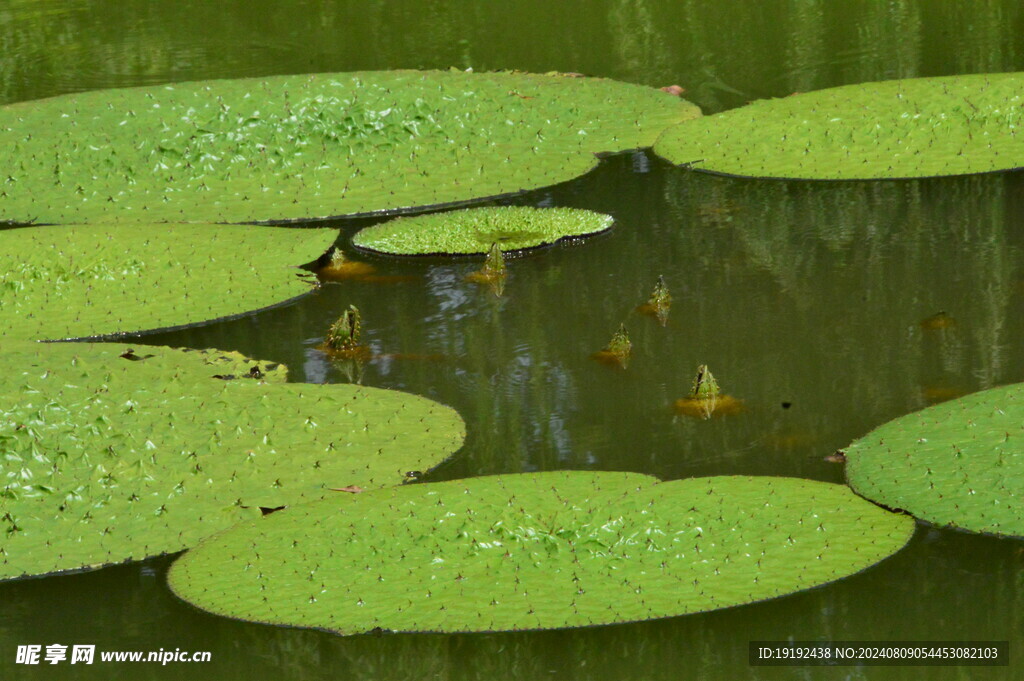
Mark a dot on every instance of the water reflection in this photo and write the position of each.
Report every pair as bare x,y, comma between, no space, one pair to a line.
723,53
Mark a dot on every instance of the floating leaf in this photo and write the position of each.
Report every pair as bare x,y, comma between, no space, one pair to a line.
81,281
536,551
107,459
307,146
958,464
476,230
921,127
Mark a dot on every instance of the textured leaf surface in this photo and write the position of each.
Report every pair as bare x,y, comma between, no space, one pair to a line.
80,281
537,551
903,128
297,147
106,459
472,231
959,463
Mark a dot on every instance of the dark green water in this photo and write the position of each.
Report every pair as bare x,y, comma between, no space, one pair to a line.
808,294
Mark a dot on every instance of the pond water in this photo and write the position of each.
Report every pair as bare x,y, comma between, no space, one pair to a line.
805,299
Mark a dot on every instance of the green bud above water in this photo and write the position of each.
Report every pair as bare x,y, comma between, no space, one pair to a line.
704,384
706,399
338,258
494,266
660,297
620,345
344,333
659,303
493,273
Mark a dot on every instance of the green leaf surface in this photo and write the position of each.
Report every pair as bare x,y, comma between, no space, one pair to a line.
473,231
958,464
81,281
307,146
536,551
922,127
105,459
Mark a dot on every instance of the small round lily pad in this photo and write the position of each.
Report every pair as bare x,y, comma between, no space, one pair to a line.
473,231
112,453
308,146
536,551
921,127
957,464
95,280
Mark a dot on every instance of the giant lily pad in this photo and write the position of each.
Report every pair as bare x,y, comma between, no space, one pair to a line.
107,459
536,551
79,281
475,230
297,147
958,464
902,128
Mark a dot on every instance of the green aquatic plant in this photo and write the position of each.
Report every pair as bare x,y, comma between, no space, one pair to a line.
494,265
704,384
619,349
474,230
536,551
112,454
84,281
493,273
308,146
956,464
340,267
337,258
660,302
920,127
343,336
337,266
620,344
706,399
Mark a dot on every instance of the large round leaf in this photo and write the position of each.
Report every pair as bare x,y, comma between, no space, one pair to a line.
902,128
537,551
110,456
295,147
959,463
80,281
473,231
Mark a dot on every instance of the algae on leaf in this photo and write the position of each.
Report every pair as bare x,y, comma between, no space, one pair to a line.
958,464
107,459
536,551
307,146
474,231
82,281
921,127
